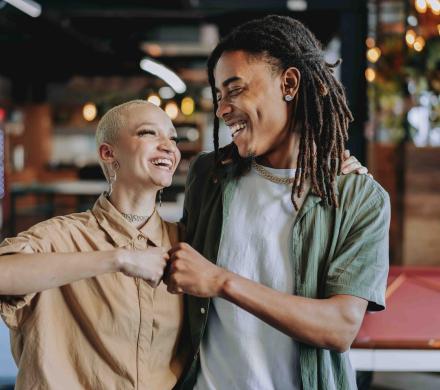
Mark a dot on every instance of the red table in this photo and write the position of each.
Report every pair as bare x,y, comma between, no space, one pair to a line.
406,336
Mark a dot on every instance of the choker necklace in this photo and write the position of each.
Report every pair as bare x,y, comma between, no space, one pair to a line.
137,218
269,176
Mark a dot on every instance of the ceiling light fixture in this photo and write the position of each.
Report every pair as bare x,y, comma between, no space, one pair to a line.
29,7
296,5
161,71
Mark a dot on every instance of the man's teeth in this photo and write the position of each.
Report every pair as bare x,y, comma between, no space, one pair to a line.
237,127
162,162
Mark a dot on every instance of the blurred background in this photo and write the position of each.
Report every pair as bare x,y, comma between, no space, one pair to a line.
64,64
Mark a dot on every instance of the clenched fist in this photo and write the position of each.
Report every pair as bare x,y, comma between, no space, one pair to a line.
147,264
191,273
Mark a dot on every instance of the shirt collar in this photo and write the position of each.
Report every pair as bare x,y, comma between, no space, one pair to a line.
120,230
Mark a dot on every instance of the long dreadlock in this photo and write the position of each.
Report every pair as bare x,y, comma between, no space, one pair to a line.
321,111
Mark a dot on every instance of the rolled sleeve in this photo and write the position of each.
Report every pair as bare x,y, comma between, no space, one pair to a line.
11,305
360,266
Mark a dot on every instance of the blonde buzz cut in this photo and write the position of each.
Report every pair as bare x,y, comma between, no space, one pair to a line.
111,123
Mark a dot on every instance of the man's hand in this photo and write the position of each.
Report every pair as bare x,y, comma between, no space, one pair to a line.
191,273
350,164
147,264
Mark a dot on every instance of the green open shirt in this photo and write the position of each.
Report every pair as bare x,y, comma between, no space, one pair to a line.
340,250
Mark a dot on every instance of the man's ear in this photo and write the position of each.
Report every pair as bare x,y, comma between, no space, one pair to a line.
106,153
290,78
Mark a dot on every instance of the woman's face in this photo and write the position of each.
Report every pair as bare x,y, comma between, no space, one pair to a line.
250,100
146,148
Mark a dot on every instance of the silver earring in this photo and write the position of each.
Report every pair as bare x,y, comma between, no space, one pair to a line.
111,180
288,98
112,177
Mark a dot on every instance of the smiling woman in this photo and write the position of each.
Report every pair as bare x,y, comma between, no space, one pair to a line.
141,152
90,282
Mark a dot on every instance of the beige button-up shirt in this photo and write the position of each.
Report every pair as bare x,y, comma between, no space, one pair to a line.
107,332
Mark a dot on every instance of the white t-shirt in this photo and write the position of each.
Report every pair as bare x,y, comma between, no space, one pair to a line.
239,351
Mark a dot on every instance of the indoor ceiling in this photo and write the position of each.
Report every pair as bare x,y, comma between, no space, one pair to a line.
103,38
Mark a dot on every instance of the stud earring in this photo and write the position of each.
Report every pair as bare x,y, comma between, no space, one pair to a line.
288,98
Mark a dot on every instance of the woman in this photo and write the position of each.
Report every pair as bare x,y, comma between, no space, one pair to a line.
81,293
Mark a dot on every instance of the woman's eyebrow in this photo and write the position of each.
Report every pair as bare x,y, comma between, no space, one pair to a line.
145,124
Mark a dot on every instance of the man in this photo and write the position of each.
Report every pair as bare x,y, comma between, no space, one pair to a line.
297,254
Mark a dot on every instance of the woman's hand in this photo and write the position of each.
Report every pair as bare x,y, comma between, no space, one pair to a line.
147,264
350,164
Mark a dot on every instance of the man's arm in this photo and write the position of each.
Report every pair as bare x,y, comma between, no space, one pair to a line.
328,323
25,273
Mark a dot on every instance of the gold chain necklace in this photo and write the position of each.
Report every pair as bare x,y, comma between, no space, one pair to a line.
267,175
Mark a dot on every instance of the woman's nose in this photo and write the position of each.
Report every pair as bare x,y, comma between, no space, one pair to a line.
167,145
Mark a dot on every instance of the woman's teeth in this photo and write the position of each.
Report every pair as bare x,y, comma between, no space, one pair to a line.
162,162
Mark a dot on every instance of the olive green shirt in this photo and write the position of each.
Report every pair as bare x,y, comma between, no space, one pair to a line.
340,250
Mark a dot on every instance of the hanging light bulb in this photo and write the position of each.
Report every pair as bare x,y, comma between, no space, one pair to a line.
410,37
154,99
370,42
89,112
166,92
373,54
172,110
412,20
435,6
370,74
187,105
419,44
421,6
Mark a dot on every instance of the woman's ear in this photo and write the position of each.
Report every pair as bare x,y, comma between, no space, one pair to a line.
290,81
106,153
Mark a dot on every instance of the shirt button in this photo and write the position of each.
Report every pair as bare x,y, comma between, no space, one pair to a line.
203,310
140,237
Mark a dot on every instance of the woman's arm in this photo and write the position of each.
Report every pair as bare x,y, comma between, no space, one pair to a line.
29,273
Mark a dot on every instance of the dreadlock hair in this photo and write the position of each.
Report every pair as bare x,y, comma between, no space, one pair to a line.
322,114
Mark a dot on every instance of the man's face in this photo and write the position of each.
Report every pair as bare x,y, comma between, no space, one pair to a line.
250,101
146,147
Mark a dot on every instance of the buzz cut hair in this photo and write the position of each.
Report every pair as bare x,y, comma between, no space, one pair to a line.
111,123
